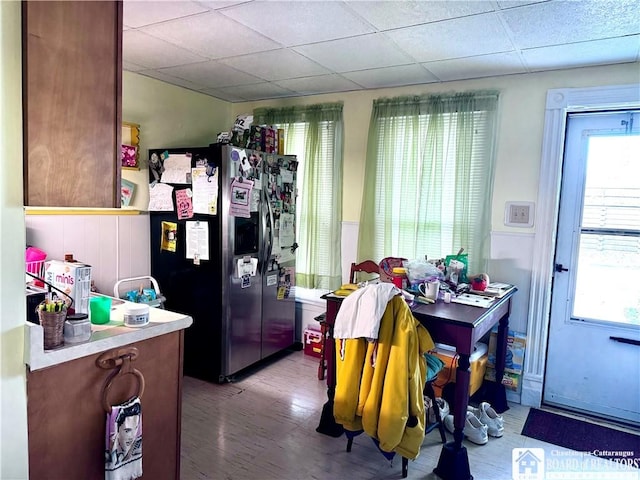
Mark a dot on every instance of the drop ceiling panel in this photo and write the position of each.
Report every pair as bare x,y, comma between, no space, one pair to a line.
140,13
356,53
181,82
391,76
406,13
461,37
323,46
583,53
152,52
319,84
212,35
295,23
476,67
258,91
276,65
554,23
211,74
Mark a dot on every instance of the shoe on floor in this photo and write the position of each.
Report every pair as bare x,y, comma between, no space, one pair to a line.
473,430
488,416
443,407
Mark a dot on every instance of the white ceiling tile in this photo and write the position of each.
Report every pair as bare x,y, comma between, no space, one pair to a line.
504,4
387,15
211,34
227,96
153,52
299,22
259,91
598,52
172,80
356,53
131,67
211,74
391,76
276,65
476,67
219,4
564,21
461,37
137,13
319,84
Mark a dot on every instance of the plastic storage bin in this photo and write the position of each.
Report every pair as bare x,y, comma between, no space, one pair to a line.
313,342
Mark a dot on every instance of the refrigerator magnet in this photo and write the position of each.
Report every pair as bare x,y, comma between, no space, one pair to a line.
246,281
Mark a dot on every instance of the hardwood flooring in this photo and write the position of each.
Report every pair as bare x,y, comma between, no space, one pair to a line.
262,427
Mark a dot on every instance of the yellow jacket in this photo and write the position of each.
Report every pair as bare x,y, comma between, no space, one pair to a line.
379,385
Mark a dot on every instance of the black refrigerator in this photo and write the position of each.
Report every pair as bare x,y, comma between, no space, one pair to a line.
231,266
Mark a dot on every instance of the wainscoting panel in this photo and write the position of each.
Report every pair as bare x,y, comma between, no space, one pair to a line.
116,246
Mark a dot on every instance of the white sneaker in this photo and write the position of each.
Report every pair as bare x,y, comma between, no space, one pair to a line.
475,431
488,416
443,407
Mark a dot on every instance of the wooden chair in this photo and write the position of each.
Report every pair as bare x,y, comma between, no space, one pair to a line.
367,266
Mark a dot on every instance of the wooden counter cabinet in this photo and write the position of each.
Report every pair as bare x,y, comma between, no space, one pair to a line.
66,417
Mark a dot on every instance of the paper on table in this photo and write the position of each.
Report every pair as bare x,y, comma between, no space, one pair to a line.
160,198
205,191
177,169
197,240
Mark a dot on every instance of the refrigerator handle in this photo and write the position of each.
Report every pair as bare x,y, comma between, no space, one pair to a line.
270,240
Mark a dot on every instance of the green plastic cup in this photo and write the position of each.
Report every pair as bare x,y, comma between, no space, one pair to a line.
100,308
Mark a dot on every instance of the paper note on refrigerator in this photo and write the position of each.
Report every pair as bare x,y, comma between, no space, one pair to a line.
197,240
160,198
177,169
205,191
287,232
184,205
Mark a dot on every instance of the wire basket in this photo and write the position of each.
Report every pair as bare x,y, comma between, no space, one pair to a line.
53,326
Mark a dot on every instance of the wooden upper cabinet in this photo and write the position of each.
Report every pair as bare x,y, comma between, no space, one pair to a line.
72,103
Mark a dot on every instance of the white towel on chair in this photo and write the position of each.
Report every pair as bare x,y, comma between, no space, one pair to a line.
123,454
360,313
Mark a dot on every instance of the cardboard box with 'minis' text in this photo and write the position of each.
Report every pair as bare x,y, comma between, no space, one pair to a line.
73,278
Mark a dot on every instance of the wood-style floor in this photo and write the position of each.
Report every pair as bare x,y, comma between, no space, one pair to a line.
262,427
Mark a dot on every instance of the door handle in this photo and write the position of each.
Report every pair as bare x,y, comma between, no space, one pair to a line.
630,341
560,268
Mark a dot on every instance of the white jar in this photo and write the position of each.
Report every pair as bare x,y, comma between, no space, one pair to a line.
136,314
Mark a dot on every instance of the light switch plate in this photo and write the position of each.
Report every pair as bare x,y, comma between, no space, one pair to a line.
519,214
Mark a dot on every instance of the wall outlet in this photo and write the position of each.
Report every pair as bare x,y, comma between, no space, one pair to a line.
519,214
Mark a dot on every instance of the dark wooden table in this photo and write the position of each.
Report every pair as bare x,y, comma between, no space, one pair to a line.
452,324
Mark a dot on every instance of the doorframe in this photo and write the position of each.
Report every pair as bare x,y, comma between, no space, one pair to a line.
560,102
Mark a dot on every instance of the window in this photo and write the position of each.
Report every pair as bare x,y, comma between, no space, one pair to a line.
428,178
314,135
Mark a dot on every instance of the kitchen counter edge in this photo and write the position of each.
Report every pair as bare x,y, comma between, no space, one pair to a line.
103,338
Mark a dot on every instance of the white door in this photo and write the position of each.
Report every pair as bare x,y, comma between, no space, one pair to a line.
593,358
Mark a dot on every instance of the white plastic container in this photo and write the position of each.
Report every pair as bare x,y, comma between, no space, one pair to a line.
136,314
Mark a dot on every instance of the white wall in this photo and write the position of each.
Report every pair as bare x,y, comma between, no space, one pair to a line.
168,116
13,409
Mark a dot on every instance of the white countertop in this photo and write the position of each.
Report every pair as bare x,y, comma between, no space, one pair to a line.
103,337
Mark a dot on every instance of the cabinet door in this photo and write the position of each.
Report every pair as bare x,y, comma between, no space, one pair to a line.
72,89
66,420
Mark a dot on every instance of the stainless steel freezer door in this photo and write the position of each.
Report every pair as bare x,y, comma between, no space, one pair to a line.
244,325
278,316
